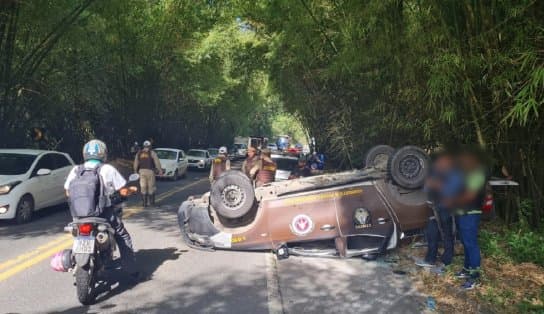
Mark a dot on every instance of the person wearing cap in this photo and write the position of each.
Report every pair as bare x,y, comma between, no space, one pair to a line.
146,163
251,164
220,164
267,168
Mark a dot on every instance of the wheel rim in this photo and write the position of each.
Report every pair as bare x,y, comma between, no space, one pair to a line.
410,166
25,209
233,197
380,160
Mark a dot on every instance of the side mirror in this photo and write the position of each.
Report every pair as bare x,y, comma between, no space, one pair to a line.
134,177
43,172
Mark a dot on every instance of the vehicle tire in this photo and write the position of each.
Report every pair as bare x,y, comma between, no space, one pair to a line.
25,209
378,156
176,176
85,285
408,167
184,175
232,194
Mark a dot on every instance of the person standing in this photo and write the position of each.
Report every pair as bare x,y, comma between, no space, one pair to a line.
468,214
220,164
146,163
444,183
267,169
251,164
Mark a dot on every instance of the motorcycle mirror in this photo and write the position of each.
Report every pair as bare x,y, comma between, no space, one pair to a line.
134,177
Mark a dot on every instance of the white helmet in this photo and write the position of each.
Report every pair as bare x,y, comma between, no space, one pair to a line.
147,144
95,149
222,150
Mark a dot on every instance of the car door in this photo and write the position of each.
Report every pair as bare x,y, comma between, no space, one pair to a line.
182,161
361,212
41,187
62,167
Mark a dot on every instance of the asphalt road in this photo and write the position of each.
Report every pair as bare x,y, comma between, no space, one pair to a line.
181,280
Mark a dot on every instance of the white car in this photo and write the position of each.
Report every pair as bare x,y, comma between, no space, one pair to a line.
199,158
285,165
31,180
173,162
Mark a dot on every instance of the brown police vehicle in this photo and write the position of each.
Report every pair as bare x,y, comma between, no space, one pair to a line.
353,213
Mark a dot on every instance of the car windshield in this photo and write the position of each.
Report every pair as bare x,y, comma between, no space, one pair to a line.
14,164
240,146
196,153
166,154
285,163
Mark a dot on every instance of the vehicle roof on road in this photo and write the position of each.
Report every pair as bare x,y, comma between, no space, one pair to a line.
198,150
26,151
170,149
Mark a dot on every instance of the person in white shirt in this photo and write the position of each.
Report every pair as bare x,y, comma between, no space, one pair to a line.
95,154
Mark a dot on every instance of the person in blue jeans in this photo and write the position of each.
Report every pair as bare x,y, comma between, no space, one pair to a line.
443,184
468,216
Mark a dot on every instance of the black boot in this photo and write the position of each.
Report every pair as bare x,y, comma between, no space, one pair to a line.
152,199
144,200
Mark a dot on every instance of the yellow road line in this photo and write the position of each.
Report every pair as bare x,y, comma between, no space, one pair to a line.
35,251
45,251
35,260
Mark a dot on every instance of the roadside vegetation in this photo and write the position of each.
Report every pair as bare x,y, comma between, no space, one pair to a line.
350,73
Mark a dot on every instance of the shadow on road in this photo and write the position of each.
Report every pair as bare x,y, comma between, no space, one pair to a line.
118,281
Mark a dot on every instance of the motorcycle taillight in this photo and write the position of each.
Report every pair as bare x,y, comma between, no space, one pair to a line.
85,229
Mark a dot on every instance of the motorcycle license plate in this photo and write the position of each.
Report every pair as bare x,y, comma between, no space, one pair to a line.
83,245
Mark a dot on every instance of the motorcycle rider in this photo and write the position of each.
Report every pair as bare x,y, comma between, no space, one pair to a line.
220,164
95,155
250,165
267,169
146,163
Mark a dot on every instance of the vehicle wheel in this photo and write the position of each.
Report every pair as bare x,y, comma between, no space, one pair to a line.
378,156
184,175
232,194
408,167
85,285
25,209
176,176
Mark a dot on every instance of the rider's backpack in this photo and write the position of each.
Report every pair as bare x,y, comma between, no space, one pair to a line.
86,193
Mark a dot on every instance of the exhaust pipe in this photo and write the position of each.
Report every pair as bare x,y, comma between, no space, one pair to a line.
102,237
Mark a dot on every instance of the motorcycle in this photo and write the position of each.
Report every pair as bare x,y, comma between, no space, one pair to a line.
93,248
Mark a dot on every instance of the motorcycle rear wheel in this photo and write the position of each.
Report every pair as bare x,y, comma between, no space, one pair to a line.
85,284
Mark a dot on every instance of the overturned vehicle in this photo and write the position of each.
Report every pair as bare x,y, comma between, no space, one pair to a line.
353,213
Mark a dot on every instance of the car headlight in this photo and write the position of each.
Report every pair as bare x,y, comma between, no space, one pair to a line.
6,188
201,161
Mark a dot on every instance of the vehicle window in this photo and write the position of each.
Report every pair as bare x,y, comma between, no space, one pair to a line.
166,154
46,162
60,161
197,153
285,163
14,164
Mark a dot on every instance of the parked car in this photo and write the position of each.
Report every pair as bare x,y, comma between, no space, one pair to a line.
31,180
273,147
352,213
199,159
214,152
173,161
285,165
238,151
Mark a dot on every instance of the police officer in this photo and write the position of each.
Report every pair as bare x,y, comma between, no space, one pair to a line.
251,164
146,163
220,164
267,169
